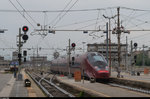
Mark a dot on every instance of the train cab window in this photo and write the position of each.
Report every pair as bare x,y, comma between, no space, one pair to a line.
98,61
98,58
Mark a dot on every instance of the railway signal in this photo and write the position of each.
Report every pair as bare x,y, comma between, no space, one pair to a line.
73,45
73,59
25,37
135,45
19,57
24,59
25,30
24,53
135,57
56,55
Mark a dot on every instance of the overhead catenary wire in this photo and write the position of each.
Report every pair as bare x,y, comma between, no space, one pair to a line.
138,23
61,12
97,19
76,23
124,8
21,13
56,11
134,9
26,12
80,10
65,13
128,20
134,18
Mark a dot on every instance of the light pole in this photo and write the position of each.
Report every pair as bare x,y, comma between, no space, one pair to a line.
83,45
24,37
106,41
109,31
143,59
118,30
69,65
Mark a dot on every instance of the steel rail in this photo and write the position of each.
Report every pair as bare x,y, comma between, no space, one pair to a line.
60,89
51,83
45,90
130,88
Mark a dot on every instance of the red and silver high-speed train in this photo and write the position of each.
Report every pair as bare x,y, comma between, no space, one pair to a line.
91,64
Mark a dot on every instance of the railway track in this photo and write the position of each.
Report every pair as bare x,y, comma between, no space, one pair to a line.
45,80
130,88
136,89
51,89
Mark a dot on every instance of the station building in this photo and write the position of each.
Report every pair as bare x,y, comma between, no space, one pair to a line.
102,48
3,62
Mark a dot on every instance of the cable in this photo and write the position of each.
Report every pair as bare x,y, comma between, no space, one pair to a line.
60,12
97,19
65,13
81,10
102,17
134,9
21,14
132,13
76,23
85,26
56,11
146,22
26,12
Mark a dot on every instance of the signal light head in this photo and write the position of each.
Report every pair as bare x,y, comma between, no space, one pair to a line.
135,44
25,37
25,28
73,44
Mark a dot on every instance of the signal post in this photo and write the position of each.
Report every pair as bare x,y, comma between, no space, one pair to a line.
24,37
71,47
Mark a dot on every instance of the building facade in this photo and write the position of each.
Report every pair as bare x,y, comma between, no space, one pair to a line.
102,48
15,56
3,62
38,60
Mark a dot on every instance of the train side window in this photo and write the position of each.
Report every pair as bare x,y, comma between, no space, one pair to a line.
98,58
76,64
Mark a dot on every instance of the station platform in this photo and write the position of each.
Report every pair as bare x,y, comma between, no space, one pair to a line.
99,89
15,88
142,78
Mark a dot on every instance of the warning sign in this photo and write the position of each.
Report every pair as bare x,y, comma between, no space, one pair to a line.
77,76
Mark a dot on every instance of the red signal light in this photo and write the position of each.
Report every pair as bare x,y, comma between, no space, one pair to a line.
25,28
73,44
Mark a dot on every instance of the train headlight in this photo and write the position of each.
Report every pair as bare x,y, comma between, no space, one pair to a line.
107,68
97,68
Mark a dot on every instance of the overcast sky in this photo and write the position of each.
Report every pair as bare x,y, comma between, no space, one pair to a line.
84,20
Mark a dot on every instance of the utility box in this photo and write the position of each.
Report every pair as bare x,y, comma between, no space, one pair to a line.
27,83
77,76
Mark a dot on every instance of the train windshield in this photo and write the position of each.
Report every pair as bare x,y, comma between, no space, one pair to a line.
98,61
